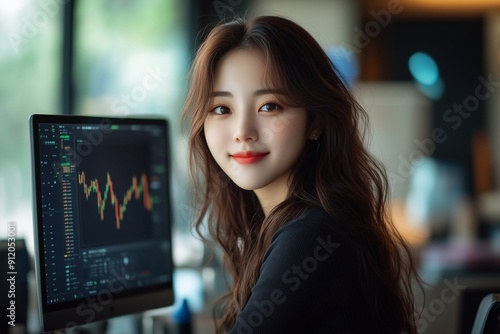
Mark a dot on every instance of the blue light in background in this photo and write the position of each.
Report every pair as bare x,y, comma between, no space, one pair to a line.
425,71
423,68
346,63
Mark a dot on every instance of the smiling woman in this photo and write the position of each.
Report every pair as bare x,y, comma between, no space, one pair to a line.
288,189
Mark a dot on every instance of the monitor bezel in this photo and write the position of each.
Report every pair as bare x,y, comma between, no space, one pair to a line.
79,312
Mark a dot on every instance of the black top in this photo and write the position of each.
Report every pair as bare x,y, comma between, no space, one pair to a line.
309,283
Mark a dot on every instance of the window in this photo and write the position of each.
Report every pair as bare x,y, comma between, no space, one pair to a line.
30,53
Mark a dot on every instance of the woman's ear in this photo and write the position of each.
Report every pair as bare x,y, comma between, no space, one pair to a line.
315,130
314,136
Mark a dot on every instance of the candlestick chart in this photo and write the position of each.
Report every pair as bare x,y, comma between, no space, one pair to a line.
115,197
107,195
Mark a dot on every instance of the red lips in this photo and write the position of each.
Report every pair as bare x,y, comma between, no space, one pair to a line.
248,157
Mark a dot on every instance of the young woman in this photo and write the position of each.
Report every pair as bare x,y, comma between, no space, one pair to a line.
288,189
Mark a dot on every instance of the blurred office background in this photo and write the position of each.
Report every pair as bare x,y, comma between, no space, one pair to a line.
427,72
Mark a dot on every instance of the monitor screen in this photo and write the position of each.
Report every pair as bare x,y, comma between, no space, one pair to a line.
102,217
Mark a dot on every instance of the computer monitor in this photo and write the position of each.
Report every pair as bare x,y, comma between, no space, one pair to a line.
102,217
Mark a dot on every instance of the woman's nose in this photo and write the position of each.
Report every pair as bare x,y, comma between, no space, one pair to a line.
245,127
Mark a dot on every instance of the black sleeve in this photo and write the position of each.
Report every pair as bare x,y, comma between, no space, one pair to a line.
304,268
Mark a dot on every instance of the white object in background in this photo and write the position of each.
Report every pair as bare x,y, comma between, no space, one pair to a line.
488,205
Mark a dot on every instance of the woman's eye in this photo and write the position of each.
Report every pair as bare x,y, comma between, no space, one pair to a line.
220,110
270,107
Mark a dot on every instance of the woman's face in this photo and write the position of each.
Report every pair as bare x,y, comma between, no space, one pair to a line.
254,138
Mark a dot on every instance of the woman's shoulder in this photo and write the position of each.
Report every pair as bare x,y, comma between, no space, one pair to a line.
314,243
313,221
315,227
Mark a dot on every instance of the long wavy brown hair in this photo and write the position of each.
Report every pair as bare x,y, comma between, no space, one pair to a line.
341,176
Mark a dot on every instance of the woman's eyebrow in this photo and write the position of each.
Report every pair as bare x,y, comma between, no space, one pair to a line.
268,91
265,91
221,93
